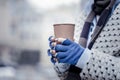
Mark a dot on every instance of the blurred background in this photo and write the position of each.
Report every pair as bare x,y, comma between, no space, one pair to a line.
25,26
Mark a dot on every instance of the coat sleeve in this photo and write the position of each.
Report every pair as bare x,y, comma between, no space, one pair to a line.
61,70
101,67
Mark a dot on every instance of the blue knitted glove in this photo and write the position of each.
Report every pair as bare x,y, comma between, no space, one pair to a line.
66,52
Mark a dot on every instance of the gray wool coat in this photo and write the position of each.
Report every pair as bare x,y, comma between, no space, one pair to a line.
104,63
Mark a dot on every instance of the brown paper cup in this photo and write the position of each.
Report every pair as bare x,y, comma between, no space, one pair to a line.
64,31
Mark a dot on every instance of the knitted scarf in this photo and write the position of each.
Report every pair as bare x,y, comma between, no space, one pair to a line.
104,13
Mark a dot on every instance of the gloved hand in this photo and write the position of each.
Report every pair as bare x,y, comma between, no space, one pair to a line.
65,51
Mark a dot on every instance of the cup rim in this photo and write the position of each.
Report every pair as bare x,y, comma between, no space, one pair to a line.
63,24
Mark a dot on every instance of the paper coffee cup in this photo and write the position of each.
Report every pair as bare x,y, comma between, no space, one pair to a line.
64,31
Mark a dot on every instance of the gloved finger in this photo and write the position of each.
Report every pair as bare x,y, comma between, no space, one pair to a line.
61,48
51,38
67,42
53,60
72,53
61,55
68,54
52,44
51,52
62,60
66,60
